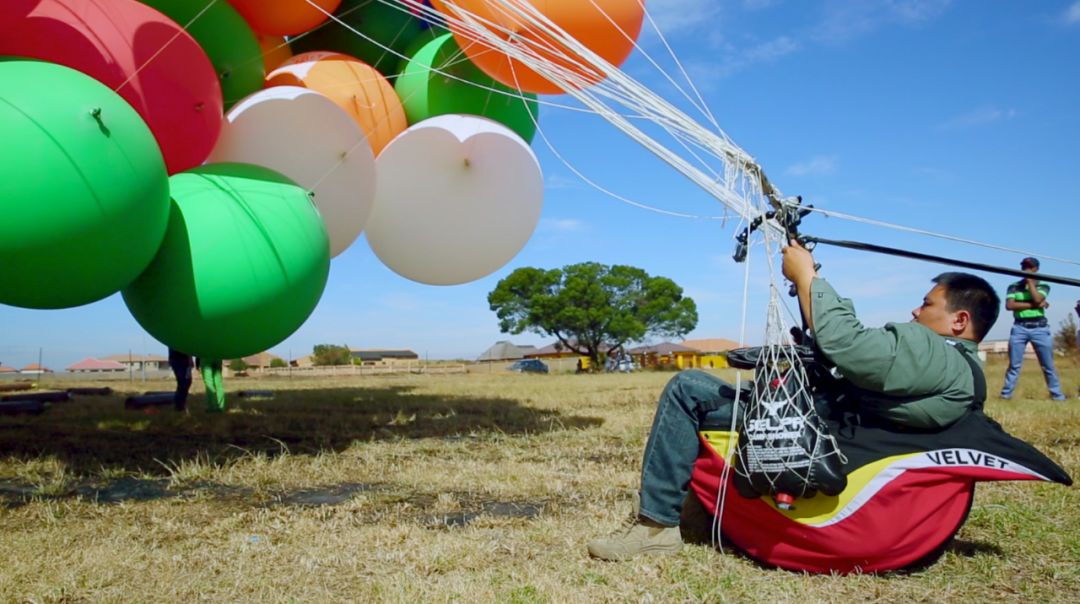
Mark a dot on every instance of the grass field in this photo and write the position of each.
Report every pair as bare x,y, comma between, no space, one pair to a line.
466,488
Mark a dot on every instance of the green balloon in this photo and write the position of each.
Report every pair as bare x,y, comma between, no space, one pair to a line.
244,262
389,25
227,39
426,93
431,32
84,195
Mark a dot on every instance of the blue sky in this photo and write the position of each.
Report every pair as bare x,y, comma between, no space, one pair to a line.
957,117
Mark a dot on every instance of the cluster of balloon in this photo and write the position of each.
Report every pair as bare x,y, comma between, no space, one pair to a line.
172,149
116,106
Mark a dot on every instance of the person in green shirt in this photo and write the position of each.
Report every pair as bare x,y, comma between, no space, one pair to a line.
1027,300
914,375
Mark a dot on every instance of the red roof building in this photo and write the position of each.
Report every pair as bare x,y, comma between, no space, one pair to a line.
35,368
92,365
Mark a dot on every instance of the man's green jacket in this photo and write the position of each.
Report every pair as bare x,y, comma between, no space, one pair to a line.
903,372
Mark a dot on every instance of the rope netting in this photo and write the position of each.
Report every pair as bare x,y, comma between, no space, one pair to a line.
784,447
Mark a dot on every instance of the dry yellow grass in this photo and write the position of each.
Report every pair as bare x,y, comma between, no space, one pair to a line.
470,488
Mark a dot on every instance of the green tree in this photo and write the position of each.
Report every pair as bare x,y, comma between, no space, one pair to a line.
591,307
276,363
331,354
238,365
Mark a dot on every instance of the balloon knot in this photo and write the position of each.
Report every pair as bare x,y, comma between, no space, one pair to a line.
96,112
199,106
467,163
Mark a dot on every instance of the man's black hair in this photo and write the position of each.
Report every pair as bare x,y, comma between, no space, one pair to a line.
964,291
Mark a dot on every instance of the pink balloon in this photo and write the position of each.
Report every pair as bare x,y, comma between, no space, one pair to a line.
144,56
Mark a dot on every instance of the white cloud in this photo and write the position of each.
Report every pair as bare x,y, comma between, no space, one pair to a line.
821,164
844,20
933,173
1072,14
672,16
980,116
561,225
736,59
557,181
758,4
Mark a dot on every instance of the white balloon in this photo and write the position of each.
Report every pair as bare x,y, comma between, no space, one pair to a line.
457,197
308,138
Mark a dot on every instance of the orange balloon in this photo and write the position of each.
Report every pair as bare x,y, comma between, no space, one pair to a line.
275,51
283,17
607,27
353,85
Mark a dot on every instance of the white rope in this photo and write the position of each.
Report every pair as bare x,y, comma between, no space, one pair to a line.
578,82
629,91
716,534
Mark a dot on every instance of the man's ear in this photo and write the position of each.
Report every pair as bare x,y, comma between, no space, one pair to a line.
961,322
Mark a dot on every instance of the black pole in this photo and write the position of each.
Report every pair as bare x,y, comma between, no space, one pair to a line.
880,249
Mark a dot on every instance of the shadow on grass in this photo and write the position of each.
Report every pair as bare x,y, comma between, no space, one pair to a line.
97,436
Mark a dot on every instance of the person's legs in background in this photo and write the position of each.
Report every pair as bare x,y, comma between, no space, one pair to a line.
1043,342
1018,339
183,385
215,387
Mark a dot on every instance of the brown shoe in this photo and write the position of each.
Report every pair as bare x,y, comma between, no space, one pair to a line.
638,537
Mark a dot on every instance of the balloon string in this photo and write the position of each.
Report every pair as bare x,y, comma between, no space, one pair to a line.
166,45
625,90
543,135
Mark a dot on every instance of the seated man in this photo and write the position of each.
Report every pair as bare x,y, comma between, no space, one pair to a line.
910,374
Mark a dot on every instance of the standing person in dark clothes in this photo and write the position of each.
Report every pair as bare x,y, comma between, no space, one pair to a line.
181,363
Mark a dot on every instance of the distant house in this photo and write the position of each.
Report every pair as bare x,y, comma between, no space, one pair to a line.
665,354
8,370
504,350
139,362
92,365
379,356
261,360
712,352
558,350
305,361
35,369
1001,347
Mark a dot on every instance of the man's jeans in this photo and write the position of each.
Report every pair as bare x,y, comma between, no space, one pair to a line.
692,401
1043,343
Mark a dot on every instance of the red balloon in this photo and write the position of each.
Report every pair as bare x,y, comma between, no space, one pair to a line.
141,54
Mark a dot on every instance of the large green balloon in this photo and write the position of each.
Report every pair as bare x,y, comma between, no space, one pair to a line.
84,196
391,26
431,32
227,39
243,264
426,93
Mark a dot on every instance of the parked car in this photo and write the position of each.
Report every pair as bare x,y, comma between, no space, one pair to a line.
621,364
529,366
